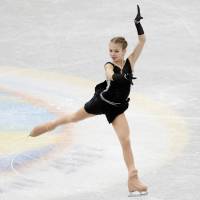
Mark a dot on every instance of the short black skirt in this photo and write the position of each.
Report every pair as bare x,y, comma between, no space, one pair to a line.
97,106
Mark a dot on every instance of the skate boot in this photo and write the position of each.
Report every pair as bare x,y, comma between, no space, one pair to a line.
38,130
135,186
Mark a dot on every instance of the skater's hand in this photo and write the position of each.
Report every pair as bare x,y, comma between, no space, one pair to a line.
129,77
138,16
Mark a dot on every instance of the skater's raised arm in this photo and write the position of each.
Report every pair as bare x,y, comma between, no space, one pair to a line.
137,50
141,39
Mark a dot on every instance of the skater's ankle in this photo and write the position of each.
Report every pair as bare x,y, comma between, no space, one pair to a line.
132,170
51,125
133,173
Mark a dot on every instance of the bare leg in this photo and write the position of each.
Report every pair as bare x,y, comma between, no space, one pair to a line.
79,115
121,128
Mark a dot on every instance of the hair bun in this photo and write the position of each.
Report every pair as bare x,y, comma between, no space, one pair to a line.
120,40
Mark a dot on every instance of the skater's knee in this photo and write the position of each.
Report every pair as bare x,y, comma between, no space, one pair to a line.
125,141
77,116
74,117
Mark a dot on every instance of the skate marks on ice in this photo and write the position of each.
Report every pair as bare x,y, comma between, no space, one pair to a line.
105,195
44,174
145,197
18,170
78,156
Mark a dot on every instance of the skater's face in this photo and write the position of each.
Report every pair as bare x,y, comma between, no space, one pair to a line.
116,52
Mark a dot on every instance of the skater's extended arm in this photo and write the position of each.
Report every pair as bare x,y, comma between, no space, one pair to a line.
141,39
109,71
110,75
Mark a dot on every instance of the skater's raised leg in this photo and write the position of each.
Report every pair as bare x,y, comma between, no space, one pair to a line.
79,115
121,127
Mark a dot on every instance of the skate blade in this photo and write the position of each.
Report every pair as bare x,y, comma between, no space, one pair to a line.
137,194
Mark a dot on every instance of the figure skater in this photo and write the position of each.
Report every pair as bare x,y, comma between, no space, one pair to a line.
111,98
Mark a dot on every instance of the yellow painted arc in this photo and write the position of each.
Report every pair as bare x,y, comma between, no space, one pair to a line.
173,120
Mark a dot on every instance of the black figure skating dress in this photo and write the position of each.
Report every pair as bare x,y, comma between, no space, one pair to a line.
111,97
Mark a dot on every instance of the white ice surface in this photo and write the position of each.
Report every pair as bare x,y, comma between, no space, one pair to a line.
46,44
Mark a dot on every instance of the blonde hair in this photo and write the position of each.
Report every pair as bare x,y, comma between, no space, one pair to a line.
120,40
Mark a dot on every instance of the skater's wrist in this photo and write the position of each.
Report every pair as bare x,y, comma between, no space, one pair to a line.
139,28
142,38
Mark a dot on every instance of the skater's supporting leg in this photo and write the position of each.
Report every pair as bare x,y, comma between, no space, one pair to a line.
79,115
121,128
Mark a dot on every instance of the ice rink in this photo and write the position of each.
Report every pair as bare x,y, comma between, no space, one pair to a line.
52,56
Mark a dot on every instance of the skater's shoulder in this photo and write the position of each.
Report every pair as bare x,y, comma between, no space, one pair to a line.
109,65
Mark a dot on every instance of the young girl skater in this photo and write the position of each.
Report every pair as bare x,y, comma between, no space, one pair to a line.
111,98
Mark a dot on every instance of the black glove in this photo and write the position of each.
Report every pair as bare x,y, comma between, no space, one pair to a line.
127,76
137,22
